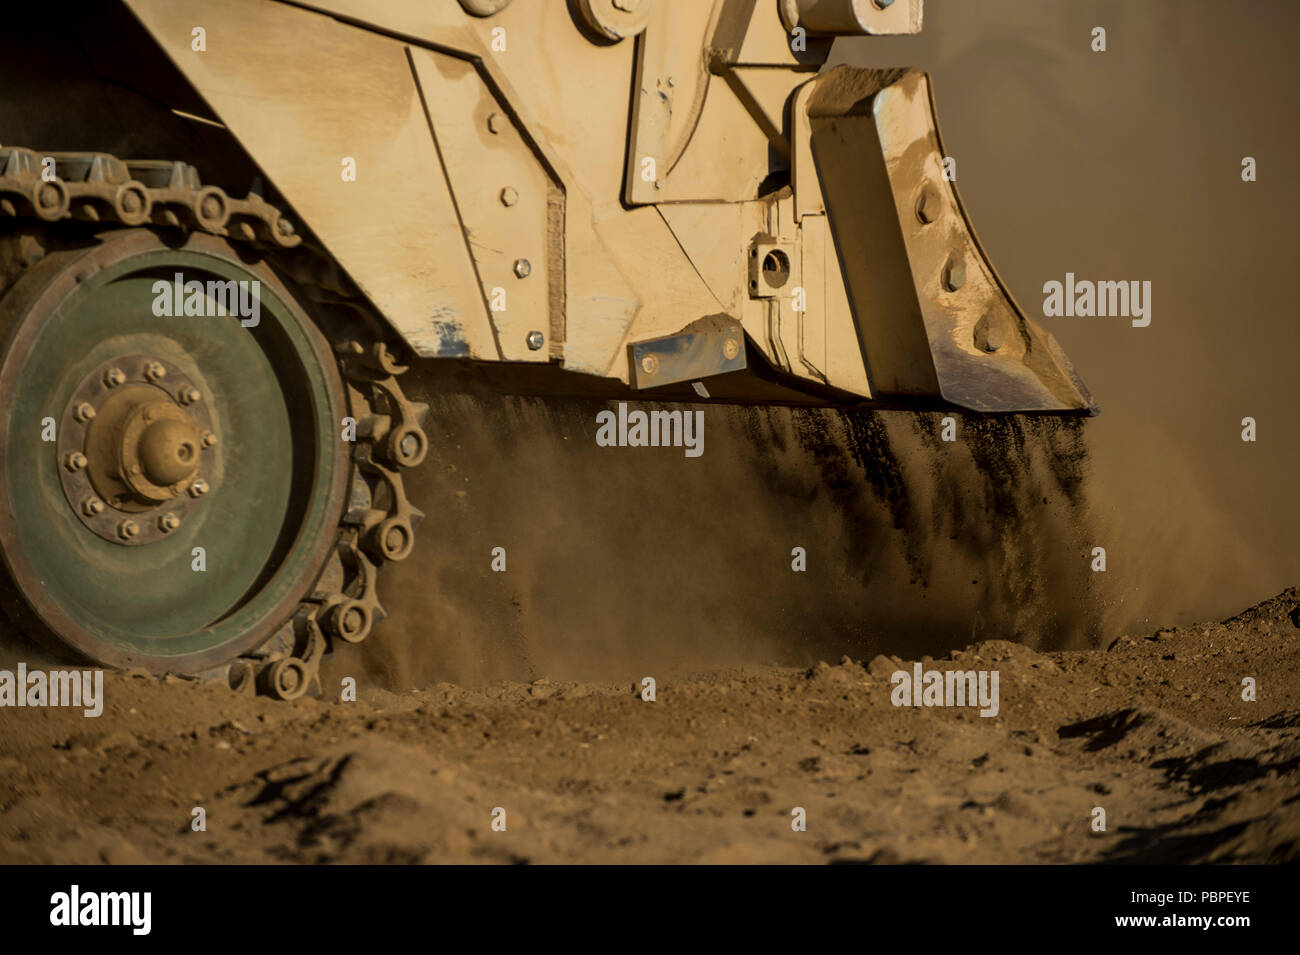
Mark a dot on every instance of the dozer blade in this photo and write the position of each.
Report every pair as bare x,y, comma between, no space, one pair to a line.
933,318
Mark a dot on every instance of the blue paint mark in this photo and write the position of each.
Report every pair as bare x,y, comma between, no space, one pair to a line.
451,343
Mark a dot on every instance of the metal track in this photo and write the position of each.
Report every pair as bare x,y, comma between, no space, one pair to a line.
378,524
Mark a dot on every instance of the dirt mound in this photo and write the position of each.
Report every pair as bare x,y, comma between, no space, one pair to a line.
1154,731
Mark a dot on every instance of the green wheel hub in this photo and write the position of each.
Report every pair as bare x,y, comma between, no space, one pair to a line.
195,483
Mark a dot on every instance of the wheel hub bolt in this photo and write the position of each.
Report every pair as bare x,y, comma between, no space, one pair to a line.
74,461
198,488
168,523
127,530
84,412
188,396
92,506
114,377
208,439
49,196
285,226
410,444
155,371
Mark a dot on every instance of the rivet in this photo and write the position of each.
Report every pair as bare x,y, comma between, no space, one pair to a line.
523,268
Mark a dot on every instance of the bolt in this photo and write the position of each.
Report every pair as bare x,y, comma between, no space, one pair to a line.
509,196
410,445
523,268
927,205
285,226
883,4
954,273
649,364
168,523
127,530
131,201
211,207
48,196
198,488
92,506
988,333
208,439
353,620
535,340
155,371
84,412
114,377
496,122
74,461
188,396
730,348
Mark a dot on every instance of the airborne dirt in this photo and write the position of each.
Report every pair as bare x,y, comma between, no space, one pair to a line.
1153,730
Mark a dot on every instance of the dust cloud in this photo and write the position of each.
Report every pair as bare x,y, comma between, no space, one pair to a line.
622,562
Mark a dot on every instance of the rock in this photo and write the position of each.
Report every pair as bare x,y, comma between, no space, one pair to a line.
120,739
882,667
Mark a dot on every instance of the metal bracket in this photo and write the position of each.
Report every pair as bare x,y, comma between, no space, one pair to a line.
710,346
